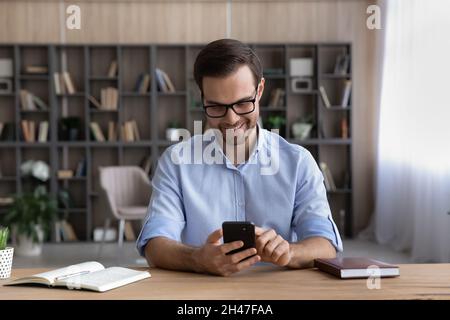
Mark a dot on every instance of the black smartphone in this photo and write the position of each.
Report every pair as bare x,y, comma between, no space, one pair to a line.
239,231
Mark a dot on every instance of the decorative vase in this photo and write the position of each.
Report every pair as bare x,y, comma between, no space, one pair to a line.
301,130
6,259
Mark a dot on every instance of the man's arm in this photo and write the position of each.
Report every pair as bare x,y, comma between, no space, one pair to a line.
160,252
304,252
212,257
273,248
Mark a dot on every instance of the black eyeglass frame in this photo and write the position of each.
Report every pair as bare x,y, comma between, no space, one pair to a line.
231,106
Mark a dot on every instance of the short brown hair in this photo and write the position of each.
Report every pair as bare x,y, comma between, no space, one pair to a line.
222,57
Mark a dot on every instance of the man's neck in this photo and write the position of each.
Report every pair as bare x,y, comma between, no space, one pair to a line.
241,153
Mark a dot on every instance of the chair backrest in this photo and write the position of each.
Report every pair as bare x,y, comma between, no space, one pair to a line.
125,186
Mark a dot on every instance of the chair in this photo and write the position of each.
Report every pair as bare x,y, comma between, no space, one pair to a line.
127,190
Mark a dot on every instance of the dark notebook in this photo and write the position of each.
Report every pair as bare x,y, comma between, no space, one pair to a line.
352,267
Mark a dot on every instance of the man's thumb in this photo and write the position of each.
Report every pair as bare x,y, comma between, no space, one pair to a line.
215,236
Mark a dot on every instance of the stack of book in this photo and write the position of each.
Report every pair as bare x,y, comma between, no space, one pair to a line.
63,83
163,81
30,102
328,177
29,131
130,131
109,98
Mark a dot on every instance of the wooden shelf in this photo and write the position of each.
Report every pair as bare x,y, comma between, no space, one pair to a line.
88,64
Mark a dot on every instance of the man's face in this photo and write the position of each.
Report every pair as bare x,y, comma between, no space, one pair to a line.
238,86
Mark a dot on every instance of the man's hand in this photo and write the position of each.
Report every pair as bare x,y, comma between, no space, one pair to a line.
272,247
212,256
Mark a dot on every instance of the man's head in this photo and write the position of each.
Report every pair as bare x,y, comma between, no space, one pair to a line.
228,72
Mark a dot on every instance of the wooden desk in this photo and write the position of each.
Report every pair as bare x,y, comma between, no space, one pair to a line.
416,281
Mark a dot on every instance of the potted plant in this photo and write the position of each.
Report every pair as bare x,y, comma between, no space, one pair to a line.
30,217
172,131
301,129
6,254
275,122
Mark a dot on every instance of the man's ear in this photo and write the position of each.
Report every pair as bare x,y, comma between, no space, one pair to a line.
261,88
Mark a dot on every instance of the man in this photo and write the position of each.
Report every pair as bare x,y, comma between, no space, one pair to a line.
190,201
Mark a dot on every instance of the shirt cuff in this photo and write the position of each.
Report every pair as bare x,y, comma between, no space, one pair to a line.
320,227
158,226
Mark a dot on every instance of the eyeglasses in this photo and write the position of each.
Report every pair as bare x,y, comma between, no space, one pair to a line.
239,107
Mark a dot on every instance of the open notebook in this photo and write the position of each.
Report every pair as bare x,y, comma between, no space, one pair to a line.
87,275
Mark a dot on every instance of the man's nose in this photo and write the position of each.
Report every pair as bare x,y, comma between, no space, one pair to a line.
231,117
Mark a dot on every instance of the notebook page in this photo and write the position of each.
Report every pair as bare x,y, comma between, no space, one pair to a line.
108,278
90,266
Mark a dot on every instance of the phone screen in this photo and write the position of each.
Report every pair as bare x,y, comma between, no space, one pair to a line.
239,231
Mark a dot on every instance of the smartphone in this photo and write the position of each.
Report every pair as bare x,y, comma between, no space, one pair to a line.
239,231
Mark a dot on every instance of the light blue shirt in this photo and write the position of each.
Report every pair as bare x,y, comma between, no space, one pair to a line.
279,187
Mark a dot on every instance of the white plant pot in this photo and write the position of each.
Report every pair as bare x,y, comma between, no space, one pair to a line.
173,134
25,245
6,259
301,130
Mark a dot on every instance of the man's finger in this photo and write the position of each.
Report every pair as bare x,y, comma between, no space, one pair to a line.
247,263
262,240
230,246
272,244
239,256
259,231
215,236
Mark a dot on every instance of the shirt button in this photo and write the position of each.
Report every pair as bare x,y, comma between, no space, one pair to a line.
241,204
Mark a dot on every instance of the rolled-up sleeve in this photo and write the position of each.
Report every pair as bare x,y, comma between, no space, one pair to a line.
165,216
312,214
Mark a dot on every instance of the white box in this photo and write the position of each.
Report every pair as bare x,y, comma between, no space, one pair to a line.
6,68
111,234
302,67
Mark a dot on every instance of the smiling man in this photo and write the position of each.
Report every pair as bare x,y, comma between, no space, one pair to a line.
190,201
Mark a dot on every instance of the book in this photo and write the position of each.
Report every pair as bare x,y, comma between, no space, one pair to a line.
81,168
328,177
90,275
57,83
162,86
112,71
95,102
276,97
39,103
324,96
346,95
112,133
342,64
344,128
43,131
356,267
36,69
97,132
68,82
65,174
168,82
68,231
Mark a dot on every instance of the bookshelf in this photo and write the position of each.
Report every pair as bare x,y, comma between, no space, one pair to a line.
153,110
